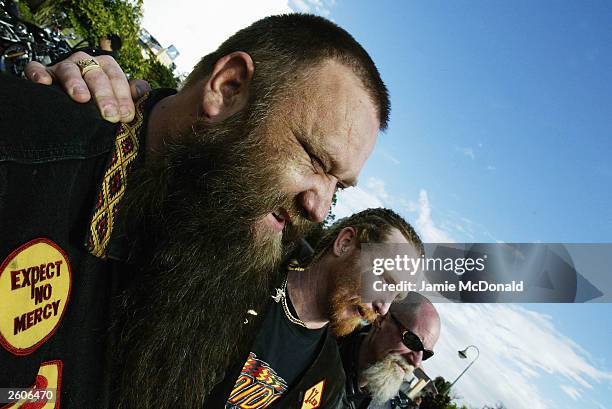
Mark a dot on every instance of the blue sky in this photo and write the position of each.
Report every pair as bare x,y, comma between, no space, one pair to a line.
501,130
499,108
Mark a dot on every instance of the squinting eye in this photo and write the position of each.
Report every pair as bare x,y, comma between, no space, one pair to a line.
317,164
340,186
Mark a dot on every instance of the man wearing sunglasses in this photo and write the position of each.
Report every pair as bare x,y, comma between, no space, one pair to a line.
378,359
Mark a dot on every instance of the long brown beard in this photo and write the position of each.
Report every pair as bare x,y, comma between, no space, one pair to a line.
202,266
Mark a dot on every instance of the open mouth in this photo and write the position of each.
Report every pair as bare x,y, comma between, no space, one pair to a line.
278,219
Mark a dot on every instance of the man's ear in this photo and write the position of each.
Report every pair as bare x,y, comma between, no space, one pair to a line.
227,89
345,242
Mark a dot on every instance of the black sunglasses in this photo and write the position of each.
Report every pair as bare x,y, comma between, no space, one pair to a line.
412,340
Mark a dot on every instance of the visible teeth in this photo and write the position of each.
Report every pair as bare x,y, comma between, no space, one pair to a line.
278,216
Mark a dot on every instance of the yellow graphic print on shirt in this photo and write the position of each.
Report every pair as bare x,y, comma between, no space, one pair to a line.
257,386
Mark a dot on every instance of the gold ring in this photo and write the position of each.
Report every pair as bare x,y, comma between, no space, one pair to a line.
87,65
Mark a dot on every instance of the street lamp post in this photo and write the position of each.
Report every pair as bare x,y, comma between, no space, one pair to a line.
463,355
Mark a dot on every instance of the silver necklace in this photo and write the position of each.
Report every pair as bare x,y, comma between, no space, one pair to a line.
281,296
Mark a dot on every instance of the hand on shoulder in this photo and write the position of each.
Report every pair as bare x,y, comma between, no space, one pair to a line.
105,81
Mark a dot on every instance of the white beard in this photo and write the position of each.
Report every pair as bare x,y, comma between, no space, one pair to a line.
385,377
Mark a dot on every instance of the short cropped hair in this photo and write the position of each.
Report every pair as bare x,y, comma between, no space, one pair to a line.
372,226
283,46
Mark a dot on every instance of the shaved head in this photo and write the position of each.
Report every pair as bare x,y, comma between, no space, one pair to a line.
416,307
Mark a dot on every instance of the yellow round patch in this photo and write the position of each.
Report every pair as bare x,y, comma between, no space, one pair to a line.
35,283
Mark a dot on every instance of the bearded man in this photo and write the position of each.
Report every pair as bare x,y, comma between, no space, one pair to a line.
378,359
173,226
321,299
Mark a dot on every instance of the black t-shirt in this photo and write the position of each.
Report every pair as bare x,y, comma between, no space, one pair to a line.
280,355
278,359
287,347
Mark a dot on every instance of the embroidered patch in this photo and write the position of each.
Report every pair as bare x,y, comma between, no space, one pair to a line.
46,387
35,282
114,184
313,396
257,386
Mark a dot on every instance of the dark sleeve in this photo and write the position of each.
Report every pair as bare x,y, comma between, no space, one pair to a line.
41,123
353,396
342,402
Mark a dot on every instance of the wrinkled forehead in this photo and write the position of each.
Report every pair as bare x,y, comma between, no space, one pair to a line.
333,112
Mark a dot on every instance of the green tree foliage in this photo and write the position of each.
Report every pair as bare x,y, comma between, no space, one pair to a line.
441,400
159,76
93,19
25,12
444,399
331,217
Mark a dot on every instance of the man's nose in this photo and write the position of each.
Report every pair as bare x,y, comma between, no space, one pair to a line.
414,358
381,307
316,201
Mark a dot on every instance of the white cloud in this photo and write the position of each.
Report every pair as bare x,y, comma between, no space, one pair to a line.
197,28
300,6
387,155
518,347
374,194
425,225
463,230
491,167
571,391
378,188
321,7
355,199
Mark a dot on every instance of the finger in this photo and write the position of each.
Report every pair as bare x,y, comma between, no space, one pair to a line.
120,87
102,90
97,81
68,74
36,72
139,88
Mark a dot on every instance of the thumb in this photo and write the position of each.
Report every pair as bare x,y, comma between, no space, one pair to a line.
37,72
138,88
